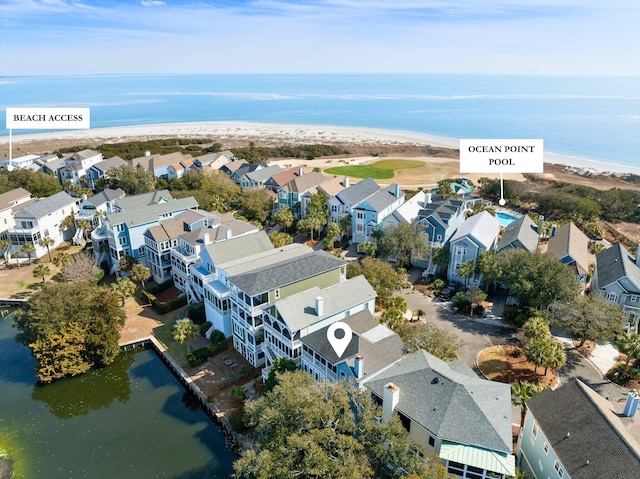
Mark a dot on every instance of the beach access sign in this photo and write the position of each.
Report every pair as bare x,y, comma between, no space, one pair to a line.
501,156
48,118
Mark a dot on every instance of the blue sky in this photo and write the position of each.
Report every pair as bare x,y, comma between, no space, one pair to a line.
40,37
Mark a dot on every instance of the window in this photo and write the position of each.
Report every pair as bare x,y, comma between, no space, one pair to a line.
633,298
558,467
276,294
122,240
360,215
534,430
546,447
439,238
432,441
613,297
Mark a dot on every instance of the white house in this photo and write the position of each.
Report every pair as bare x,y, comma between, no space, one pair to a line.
9,202
76,166
41,219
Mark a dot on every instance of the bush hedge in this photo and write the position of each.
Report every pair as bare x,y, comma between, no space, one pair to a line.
164,308
198,356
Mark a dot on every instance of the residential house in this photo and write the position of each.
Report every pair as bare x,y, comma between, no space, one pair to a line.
293,187
373,349
92,209
76,166
9,202
477,234
572,432
179,169
124,230
208,275
257,284
20,162
617,278
51,167
41,219
369,215
343,202
571,247
294,318
159,164
254,180
99,170
520,234
212,161
231,167
330,187
142,200
237,174
221,227
449,410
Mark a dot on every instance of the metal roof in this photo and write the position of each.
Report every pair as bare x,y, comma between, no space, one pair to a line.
478,457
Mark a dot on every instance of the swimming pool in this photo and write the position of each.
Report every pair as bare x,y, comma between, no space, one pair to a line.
505,219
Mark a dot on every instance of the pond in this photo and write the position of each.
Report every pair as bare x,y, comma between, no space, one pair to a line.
132,419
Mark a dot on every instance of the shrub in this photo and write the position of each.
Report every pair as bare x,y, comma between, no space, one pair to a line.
478,310
198,356
438,286
204,327
159,288
217,337
462,302
196,313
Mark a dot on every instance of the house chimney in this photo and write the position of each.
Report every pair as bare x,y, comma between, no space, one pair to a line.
427,199
638,256
554,228
228,234
147,153
206,239
396,191
300,171
631,406
345,182
463,182
358,366
390,399
540,225
319,306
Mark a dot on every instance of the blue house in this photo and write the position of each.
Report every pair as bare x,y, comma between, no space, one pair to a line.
368,215
478,233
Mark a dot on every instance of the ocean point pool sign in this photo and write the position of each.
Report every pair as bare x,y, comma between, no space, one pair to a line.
501,156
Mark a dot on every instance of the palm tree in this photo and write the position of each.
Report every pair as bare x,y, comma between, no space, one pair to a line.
67,222
284,218
537,351
466,270
85,226
124,288
184,330
556,356
139,273
419,313
629,344
40,271
28,249
521,392
15,255
4,246
47,242
61,258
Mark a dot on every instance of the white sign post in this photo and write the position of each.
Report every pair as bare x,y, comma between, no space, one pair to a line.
46,119
503,156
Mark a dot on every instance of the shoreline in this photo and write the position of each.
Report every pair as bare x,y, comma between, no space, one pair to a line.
295,134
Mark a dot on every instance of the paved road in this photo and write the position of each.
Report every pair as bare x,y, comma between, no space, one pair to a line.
478,334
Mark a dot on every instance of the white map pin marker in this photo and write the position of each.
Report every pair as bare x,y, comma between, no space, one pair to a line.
339,344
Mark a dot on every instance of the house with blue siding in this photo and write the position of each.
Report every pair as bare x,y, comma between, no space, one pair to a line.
478,233
369,214
571,247
343,202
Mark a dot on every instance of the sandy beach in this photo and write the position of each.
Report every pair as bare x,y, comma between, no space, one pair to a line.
235,134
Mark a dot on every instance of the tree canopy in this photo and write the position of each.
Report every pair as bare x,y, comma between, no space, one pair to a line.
70,327
403,242
308,429
381,275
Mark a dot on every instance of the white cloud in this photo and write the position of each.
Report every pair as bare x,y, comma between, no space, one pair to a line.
152,3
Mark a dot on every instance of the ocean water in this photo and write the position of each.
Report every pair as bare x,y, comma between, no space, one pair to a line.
595,118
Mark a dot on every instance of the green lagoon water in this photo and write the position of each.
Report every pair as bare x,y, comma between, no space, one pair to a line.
129,420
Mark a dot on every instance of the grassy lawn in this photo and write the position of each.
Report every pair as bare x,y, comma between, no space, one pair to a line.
177,350
380,170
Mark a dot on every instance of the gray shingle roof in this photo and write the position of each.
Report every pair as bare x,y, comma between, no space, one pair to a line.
151,213
459,407
597,434
359,192
570,241
106,195
441,209
482,227
286,272
144,199
45,206
614,264
113,162
240,247
382,198
263,174
298,311
521,233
